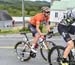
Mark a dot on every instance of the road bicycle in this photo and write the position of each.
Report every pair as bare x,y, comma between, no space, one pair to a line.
55,55
23,48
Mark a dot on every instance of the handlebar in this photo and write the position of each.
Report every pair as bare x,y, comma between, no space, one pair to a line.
49,34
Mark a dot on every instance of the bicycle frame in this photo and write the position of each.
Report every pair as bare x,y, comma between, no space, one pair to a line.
25,46
43,42
45,45
27,40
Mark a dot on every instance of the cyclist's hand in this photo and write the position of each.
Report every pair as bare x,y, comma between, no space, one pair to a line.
50,32
42,36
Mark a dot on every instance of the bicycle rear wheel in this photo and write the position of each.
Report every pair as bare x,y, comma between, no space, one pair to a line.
22,51
55,55
44,51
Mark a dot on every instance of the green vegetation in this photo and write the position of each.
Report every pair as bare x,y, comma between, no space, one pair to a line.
14,30
21,29
14,7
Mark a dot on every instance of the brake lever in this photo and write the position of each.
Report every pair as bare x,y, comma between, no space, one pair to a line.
50,34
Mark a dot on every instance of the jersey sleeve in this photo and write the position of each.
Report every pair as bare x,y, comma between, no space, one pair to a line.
38,19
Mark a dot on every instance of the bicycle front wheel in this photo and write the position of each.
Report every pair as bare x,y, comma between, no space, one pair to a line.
22,51
55,55
44,51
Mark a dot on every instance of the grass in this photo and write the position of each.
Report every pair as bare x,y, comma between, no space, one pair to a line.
20,29
13,30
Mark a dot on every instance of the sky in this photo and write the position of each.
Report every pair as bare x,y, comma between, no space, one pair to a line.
42,0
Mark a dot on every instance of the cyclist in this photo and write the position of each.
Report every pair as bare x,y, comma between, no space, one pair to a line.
65,27
35,23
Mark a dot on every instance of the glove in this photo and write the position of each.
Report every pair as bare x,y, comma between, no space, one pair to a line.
51,32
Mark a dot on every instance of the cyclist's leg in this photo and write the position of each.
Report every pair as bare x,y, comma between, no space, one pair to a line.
70,42
35,35
63,30
72,31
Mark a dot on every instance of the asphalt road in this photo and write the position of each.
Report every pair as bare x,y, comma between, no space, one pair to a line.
7,52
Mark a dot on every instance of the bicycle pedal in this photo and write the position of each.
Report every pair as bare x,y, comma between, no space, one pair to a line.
32,54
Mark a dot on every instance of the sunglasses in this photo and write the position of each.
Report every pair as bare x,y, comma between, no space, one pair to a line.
47,12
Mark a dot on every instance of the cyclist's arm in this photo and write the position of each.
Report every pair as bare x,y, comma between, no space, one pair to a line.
37,28
48,26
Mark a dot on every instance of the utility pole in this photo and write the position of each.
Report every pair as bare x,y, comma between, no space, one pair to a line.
23,13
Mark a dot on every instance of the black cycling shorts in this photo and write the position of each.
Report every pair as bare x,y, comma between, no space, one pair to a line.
65,31
33,30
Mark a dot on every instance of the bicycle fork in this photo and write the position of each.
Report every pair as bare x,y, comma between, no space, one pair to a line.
45,45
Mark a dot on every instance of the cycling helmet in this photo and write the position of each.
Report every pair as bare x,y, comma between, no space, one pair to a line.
71,13
45,8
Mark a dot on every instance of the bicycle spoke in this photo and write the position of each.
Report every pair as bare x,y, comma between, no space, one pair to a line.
55,55
23,51
47,45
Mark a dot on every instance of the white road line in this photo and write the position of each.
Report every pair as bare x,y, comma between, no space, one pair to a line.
6,47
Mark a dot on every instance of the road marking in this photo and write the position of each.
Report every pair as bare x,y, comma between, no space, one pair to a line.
6,47
12,47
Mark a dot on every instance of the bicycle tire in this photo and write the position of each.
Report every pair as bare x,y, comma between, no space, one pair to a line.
16,50
57,48
51,44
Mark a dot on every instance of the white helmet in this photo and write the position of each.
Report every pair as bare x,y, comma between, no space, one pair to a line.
45,8
71,13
